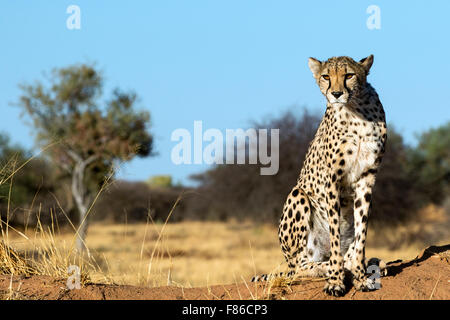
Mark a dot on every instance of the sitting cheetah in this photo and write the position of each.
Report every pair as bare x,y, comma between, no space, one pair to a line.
324,222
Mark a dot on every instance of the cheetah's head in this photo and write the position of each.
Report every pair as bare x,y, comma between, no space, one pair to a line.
340,78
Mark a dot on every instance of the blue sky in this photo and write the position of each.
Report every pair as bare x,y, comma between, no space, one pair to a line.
228,62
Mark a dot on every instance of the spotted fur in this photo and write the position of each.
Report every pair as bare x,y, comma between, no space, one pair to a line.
323,227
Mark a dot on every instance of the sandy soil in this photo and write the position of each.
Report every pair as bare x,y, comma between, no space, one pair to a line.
425,277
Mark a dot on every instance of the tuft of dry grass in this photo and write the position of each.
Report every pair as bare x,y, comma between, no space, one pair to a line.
12,263
43,256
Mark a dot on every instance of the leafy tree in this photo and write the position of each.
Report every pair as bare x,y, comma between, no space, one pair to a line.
21,177
430,163
11,156
161,181
89,136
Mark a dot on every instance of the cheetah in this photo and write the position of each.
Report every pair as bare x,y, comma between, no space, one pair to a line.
323,227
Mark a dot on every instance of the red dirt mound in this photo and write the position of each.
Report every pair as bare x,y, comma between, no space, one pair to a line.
425,277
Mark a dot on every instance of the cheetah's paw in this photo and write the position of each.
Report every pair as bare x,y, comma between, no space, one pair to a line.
336,289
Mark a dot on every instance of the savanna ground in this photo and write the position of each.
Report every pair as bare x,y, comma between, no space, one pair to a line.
214,255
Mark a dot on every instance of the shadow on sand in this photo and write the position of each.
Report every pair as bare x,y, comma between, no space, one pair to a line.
395,267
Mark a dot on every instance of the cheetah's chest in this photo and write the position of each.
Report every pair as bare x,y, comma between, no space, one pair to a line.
365,156
365,148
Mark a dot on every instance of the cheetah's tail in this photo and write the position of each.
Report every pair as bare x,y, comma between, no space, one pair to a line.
266,277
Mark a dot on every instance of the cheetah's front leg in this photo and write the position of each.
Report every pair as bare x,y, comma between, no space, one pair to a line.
362,205
335,284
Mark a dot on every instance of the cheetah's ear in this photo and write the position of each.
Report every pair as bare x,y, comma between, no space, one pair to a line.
366,63
314,65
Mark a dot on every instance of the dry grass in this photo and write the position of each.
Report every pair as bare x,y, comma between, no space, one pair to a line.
12,263
185,254
45,254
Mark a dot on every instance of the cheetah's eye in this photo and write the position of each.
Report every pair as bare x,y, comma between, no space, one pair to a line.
326,77
349,75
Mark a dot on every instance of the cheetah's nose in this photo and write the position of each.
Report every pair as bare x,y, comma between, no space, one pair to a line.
337,94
